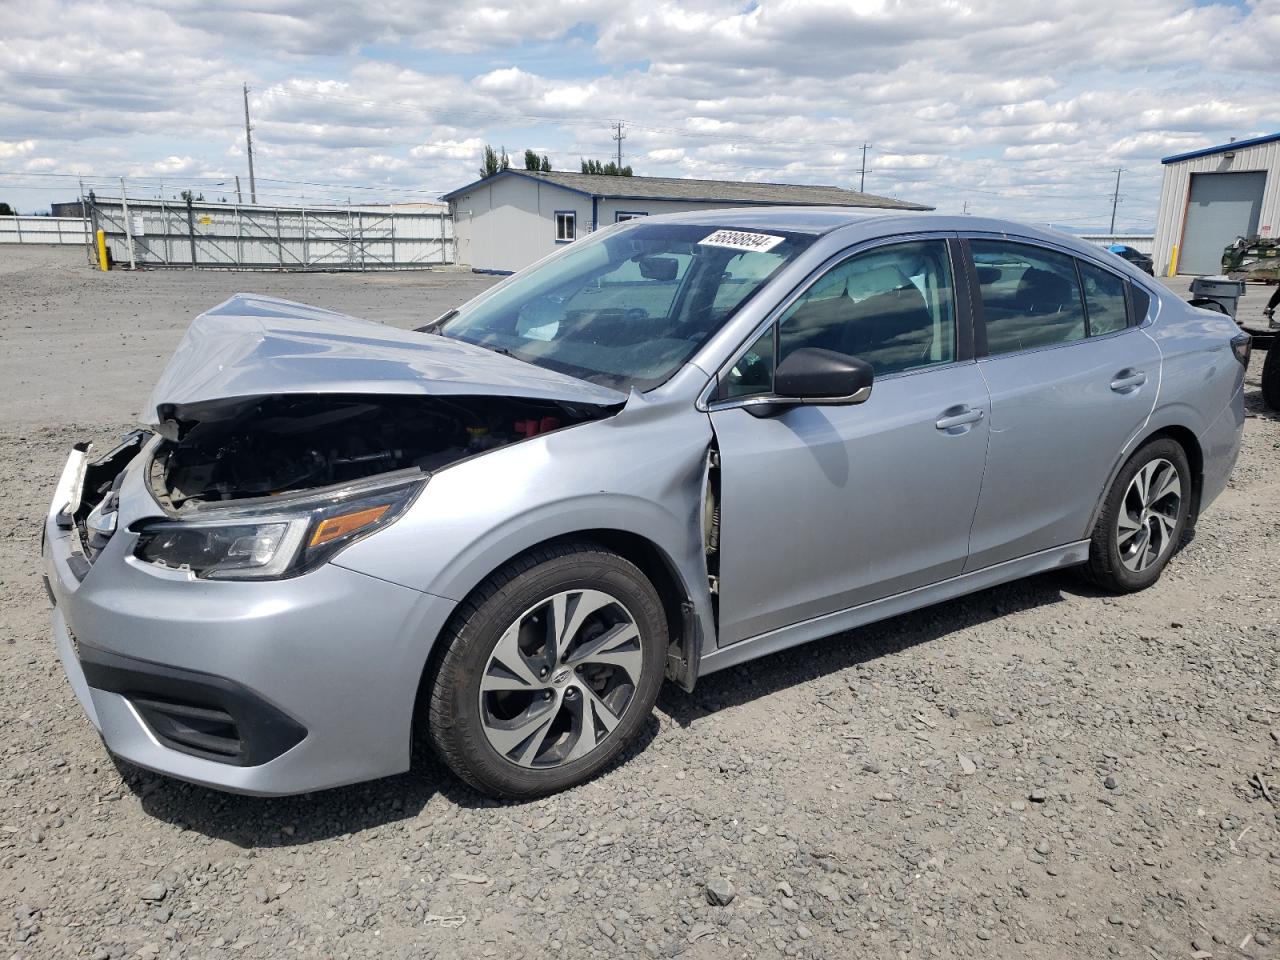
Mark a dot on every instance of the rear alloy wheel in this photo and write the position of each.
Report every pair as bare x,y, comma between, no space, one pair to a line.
1148,514
552,667
1143,519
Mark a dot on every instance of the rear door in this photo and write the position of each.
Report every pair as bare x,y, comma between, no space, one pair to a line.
1072,380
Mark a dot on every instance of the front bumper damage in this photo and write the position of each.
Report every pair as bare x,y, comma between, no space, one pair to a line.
269,688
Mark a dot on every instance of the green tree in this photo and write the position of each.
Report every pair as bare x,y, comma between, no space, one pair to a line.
494,161
532,161
7,211
610,169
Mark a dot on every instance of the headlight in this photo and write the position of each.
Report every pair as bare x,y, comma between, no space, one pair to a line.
270,542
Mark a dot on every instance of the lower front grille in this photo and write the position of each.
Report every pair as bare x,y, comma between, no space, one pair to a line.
203,731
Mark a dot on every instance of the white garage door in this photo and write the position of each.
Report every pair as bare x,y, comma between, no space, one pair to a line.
1222,206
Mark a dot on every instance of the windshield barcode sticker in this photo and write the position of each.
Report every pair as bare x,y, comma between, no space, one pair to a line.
740,240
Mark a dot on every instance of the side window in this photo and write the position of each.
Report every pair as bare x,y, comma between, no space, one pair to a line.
1140,301
1104,299
893,307
1030,296
566,226
753,373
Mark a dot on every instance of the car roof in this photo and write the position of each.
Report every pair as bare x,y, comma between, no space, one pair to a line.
859,224
812,220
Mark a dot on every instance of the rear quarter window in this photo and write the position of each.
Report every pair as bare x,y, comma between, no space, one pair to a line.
1140,303
1103,299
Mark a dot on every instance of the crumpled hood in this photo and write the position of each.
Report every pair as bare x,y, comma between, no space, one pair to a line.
254,346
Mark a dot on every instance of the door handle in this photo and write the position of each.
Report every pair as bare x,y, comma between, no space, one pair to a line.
958,416
1128,380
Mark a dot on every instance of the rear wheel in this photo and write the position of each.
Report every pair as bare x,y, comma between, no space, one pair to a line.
1143,519
1271,375
551,669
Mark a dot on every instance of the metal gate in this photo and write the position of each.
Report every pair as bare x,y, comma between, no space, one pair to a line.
234,236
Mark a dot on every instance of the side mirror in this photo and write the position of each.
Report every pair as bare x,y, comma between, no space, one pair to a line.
811,376
815,376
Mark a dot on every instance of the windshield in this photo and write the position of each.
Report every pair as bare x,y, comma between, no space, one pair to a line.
628,307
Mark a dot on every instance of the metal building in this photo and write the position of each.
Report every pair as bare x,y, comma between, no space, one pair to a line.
1212,196
510,219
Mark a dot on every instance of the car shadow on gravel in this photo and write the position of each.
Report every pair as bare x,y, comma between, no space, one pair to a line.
811,661
265,822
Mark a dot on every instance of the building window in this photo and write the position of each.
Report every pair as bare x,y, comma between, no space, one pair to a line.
566,226
627,215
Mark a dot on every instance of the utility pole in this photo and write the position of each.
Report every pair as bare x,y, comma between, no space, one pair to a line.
248,143
239,195
1115,199
619,136
862,180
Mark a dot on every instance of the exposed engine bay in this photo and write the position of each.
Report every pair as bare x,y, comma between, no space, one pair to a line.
273,445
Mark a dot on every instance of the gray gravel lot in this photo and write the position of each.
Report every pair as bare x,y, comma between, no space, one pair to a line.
1035,770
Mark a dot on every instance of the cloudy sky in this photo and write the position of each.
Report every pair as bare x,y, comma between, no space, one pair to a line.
1020,109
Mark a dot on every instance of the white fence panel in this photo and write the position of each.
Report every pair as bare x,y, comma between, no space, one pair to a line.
48,230
234,236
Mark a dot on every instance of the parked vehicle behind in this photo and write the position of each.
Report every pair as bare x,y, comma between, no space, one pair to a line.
674,446
1139,259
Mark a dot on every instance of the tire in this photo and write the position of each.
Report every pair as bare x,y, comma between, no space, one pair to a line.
513,716
1132,558
1271,375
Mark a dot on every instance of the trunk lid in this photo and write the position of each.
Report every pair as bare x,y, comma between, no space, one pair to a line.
251,346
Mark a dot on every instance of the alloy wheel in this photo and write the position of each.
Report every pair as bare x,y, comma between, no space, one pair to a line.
560,679
1148,515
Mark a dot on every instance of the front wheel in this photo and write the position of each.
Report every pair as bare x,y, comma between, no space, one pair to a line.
1143,519
551,668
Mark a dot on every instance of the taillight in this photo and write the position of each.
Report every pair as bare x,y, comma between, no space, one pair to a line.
1242,346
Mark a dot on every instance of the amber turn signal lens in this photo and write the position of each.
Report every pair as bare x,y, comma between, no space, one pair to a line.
336,527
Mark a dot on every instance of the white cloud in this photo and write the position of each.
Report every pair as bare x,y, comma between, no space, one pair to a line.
12,149
1018,108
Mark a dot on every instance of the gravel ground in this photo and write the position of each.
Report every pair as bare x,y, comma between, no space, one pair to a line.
1035,770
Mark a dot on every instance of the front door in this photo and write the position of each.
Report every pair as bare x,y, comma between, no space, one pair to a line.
827,507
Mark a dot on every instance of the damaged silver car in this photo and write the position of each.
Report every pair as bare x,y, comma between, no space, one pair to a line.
672,447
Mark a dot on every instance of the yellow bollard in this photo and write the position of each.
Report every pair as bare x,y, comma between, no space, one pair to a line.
1173,263
102,250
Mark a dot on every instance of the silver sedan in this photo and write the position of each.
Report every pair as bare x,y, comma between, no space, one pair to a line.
676,445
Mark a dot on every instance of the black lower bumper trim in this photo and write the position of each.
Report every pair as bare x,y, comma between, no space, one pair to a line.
195,713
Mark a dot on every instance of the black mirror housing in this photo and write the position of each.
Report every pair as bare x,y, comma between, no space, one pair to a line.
817,376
